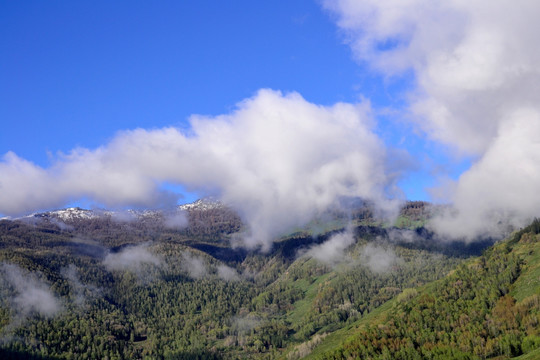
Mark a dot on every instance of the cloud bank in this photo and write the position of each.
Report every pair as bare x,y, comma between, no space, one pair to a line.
477,82
277,159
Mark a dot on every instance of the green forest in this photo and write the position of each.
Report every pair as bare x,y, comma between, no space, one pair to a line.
109,289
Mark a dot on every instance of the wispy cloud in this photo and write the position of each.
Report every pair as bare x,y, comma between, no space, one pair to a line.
27,294
227,273
176,220
243,324
80,291
332,251
122,216
378,259
132,258
402,235
195,266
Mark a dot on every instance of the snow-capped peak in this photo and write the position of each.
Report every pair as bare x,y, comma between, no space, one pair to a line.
76,213
202,204
73,213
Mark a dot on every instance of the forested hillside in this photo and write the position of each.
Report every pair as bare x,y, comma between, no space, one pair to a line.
347,285
489,307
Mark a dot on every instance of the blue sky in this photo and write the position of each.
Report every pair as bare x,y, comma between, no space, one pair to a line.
75,73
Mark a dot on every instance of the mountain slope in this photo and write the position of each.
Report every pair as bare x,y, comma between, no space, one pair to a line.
127,289
488,307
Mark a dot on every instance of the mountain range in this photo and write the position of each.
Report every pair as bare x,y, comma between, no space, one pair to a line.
176,284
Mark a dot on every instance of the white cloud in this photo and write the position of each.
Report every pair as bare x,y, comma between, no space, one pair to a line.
277,159
194,265
477,76
123,216
402,235
500,189
378,259
197,268
332,251
30,294
242,324
227,273
175,220
132,258
79,290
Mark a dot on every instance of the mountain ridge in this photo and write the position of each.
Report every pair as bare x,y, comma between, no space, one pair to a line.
78,213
